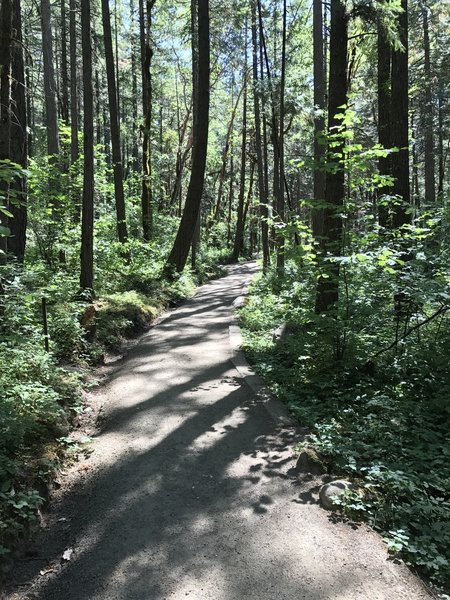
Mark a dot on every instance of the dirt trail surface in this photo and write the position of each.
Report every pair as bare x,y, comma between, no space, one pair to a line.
192,494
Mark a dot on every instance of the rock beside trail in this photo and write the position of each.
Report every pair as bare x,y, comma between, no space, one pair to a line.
330,490
282,332
309,461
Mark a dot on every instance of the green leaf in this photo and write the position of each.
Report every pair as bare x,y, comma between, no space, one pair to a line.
5,211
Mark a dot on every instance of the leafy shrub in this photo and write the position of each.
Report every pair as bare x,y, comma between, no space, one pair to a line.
67,335
38,399
122,314
383,423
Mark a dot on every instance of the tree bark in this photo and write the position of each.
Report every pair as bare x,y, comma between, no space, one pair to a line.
134,87
225,153
195,95
240,224
400,124
99,122
178,256
327,294
175,199
319,118
147,189
64,102
415,189
74,150
19,139
441,147
115,129
87,222
262,184
5,113
430,174
384,118
230,196
116,56
250,191
143,43
281,203
51,112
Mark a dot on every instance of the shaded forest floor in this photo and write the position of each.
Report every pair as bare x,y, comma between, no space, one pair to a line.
190,489
43,405
382,423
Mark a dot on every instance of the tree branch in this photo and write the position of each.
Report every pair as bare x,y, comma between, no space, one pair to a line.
443,309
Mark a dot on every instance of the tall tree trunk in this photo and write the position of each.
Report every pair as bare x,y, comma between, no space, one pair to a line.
281,204
134,87
262,183
230,196
194,49
74,121
328,287
180,250
250,191
143,43
51,113
98,118
415,170
384,118
326,45
29,99
116,55
240,224
5,113
64,73
225,153
74,150
106,135
87,222
430,177
319,119
400,123
147,191
274,109
115,130
265,82
19,139
181,160
441,147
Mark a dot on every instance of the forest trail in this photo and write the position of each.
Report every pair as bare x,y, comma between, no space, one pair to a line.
191,495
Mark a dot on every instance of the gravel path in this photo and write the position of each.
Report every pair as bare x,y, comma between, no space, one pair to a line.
190,492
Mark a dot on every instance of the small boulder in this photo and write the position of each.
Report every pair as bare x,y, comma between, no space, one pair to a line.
281,333
310,462
240,302
330,490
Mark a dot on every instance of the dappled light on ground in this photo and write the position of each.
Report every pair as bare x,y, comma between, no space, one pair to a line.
192,493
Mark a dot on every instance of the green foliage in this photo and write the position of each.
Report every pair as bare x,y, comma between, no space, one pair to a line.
122,315
382,420
37,401
8,172
38,398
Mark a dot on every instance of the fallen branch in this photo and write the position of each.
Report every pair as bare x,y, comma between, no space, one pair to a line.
443,309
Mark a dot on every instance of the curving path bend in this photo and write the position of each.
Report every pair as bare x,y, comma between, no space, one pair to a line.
190,494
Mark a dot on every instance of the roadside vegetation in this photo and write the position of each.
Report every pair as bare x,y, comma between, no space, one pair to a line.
371,383
42,392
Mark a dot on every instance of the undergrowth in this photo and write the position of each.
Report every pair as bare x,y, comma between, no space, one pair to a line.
40,391
381,420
